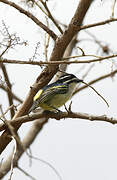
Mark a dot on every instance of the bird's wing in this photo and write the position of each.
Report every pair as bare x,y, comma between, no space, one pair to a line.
51,92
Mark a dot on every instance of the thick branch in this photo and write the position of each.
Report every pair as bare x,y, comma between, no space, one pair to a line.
27,141
37,125
58,116
57,53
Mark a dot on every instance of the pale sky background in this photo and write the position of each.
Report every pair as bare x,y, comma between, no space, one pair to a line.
78,149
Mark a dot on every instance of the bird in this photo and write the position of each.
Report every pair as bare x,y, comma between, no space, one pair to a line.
56,94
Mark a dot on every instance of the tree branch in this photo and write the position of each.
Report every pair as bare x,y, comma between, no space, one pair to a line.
99,59
98,23
9,93
111,74
47,74
57,116
27,141
50,16
31,16
12,94
37,126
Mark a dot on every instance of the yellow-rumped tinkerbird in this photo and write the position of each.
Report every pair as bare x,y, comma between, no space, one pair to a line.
56,94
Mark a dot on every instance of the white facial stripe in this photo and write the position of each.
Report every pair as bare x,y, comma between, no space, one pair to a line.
64,77
73,79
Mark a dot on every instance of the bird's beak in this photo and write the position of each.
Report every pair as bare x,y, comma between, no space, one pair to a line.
79,80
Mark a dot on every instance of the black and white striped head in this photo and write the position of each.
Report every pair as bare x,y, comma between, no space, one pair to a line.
68,79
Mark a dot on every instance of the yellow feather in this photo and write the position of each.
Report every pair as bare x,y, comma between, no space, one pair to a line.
38,94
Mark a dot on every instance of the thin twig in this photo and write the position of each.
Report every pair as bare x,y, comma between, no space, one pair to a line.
105,48
96,80
46,42
88,70
3,87
35,52
9,93
113,7
38,5
97,93
59,62
24,172
50,165
98,24
50,16
3,114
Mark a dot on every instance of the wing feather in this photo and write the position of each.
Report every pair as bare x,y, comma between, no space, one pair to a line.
51,92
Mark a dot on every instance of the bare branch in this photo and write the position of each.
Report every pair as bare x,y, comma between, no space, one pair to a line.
99,59
35,52
38,124
31,16
98,24
113,7
57,53
50,16
47,163
55,59
9,93
96,80
105,48
97,93
11,129
3,87
24,172
27,141
58,116
3,114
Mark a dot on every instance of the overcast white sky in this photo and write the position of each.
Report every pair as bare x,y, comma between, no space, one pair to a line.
78,149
